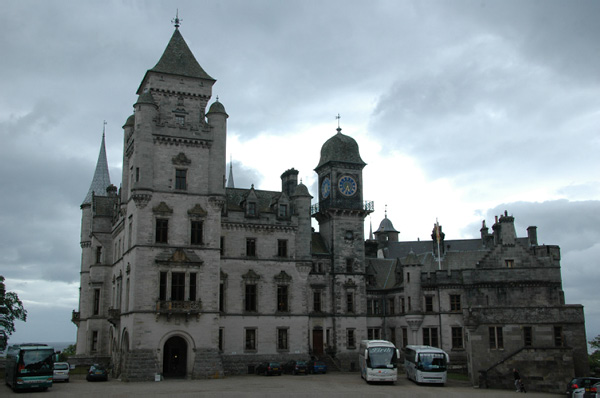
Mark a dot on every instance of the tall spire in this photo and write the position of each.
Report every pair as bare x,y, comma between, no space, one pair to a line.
230,183
101,179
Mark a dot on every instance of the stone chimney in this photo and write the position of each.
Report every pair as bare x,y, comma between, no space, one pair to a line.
289,181
504,230
532,235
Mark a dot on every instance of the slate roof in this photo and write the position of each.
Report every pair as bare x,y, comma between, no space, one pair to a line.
179,60
317,244
101,179
264,199
340,148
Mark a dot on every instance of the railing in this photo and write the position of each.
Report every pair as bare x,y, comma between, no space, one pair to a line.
344,203
178,307
75,317
114,315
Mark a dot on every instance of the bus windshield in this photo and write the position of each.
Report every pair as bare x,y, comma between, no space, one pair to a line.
36,361
430,362
382,357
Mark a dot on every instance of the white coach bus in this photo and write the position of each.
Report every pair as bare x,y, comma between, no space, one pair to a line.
378,360
425,364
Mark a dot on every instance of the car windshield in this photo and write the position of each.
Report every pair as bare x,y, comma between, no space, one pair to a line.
37,360
432,362
382,357
61,366
301,363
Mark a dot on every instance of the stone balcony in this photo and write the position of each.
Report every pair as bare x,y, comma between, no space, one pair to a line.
75,317
114,315
178,308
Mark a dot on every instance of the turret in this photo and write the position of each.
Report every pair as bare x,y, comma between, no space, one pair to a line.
217,119
504,230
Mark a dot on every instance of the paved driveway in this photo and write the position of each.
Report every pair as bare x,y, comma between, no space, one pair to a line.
334,384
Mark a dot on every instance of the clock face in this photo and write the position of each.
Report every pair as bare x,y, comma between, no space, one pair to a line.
347,186
325,187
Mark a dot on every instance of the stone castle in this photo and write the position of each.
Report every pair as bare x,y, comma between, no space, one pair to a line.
184,275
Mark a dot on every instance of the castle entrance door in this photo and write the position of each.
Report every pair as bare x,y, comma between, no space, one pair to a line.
317,345
175,357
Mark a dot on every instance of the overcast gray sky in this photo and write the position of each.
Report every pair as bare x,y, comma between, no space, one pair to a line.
462,109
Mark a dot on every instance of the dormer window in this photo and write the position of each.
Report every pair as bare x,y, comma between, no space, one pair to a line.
251,209
283,211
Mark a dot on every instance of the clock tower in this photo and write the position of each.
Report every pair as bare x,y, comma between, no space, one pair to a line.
341,213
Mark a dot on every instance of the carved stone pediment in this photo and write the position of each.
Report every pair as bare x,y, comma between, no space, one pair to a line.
250,276
181,160
197,211
283,277
162,208
179,257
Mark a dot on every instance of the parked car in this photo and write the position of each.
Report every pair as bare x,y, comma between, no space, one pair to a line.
97,372
61,371
582,382
295,367
317,367
269,369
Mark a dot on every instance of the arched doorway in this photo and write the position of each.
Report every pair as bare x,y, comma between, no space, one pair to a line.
175,357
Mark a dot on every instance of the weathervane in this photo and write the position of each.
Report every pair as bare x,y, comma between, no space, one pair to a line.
176,21
338,117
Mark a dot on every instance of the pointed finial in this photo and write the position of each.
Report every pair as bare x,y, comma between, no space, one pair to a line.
217,98
176,21
385,211
104,128
338,117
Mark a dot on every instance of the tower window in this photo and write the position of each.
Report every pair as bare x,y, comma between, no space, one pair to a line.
317,301
282,339
282,298
192,286
282,248
349,265
428,304
162,230
180,120
196,238
251,298
177,286
457,338
180,179
455,302
251,247
250,339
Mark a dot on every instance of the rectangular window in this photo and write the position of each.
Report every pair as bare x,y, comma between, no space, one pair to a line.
282,339
283,211
192,286
350,302
180,119
409,306
510,263
222,296
96,301
282,298
251,247
282,248
404,337
350,338
428,304
196,233
181,179
391,306
250,298
457,338
393,336
250,343
178,286
222,247
98,254
317,301
94,341
251,209
162,290
455,302
430,337
559,339
137,174
162,230
373,333
402,308
349,265
527,336
221,335
496,338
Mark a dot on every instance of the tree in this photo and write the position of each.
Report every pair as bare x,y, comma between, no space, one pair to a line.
594,357
67,352
11,309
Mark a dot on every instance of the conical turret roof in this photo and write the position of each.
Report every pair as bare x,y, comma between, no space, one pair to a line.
179,60
101,179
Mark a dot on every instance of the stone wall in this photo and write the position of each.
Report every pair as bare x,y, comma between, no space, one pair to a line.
541,369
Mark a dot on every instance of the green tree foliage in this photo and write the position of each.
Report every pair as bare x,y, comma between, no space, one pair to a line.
66,353
594,357
11,309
